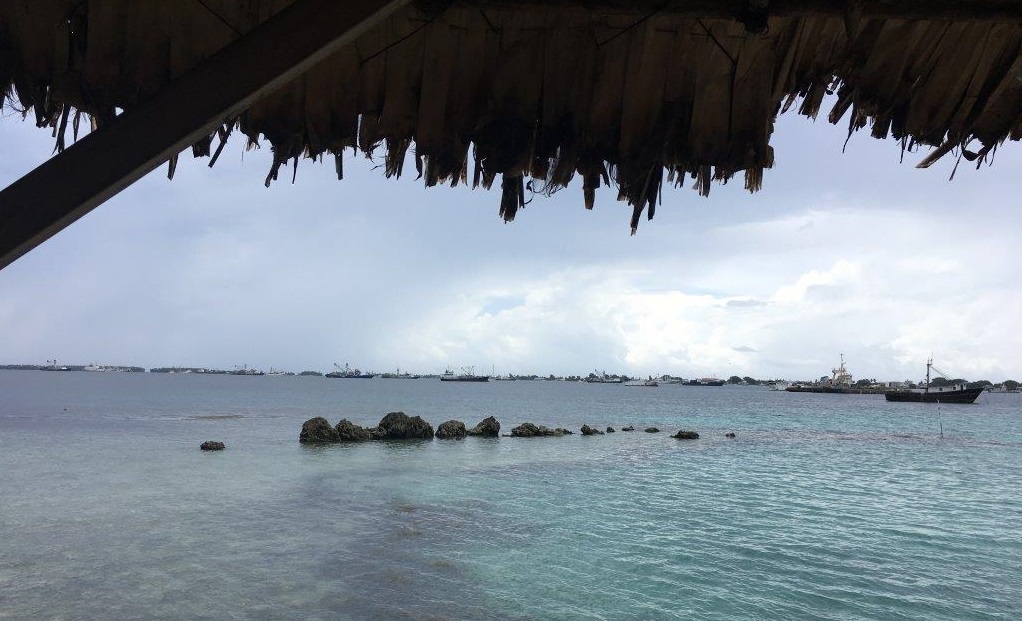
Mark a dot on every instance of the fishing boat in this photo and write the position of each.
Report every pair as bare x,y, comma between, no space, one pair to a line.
952,393
467,375
348,373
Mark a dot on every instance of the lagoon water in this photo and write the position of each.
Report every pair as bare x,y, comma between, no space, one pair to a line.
824,507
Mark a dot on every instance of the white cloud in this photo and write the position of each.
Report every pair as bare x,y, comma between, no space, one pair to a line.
214,270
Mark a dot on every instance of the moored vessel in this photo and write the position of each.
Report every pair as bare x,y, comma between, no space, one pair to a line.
397,374
647,383
467,375
704,381
839,383
244,370
603,378
952,393
349,373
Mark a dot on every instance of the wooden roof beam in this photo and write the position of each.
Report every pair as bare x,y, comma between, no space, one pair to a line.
74,182
959,10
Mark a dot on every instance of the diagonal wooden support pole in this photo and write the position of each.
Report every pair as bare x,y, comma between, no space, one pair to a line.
74,182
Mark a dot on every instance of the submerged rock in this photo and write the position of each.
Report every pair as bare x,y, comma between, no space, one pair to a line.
212,445
451,429
488,428
652,430
628,428
563,432
686,435
589,431
610,430
316,431
400,426
730,434
348,431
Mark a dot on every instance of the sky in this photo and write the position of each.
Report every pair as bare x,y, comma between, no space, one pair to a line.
854,253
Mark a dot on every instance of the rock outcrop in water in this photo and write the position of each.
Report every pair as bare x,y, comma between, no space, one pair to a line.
400,426
393,426
452,429
487,428
530,430
212,445
348,431
730,435
317,431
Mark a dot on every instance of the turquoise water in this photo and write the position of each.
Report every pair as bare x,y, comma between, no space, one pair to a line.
823,507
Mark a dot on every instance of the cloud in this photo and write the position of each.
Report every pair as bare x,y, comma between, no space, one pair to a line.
215,270
745,303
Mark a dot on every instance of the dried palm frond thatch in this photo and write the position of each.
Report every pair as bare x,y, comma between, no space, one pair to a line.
634,94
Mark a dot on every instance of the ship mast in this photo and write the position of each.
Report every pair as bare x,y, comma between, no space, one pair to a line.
840,376
929,363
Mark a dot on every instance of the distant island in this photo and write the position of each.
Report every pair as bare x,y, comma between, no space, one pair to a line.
865,385
70,367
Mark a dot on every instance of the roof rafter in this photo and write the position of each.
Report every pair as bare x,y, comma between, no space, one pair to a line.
74,182
982,10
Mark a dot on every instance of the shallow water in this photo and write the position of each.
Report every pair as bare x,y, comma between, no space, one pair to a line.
823,507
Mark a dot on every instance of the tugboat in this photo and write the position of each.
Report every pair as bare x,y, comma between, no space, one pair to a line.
349,373
955,393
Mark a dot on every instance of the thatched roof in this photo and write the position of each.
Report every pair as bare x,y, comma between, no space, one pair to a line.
635,94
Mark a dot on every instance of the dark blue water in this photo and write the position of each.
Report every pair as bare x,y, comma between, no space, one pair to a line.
823,507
